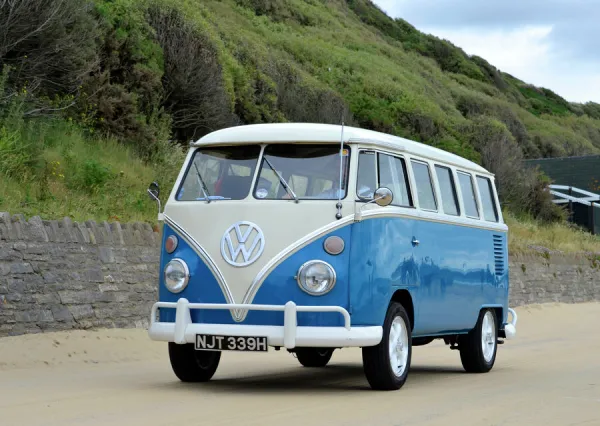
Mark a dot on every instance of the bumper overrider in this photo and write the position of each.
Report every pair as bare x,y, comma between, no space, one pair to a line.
509,331
290,335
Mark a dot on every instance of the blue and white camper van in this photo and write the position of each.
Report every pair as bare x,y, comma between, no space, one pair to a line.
314,237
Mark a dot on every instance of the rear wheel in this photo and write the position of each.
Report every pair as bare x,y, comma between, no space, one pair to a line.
190,365
314,357
386,365
478,348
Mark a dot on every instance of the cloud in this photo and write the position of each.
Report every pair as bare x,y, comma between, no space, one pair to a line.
550,43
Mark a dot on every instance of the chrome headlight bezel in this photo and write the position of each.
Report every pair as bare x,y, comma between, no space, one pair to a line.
301,277
181,283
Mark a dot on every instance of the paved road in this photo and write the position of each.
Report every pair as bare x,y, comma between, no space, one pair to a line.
550,375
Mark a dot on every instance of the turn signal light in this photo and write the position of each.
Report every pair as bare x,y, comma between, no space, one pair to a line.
171,244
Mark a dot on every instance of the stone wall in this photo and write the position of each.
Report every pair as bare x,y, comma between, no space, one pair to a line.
546,278
59,275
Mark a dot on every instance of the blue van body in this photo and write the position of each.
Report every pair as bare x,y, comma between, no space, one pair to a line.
447,284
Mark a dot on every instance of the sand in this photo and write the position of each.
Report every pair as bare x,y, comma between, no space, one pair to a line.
549,375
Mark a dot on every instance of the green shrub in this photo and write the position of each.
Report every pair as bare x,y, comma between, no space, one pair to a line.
126,86
472,105
303,99
592,109
21,141
520,189
50,44
490,72
89,175
544,101
195,95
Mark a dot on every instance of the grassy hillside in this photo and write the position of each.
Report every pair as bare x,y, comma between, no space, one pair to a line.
98,100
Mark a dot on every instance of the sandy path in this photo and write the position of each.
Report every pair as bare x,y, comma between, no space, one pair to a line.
550,375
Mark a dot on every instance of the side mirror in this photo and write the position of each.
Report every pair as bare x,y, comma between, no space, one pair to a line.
383,196
154,191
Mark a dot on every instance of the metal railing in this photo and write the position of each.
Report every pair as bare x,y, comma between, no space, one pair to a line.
587,198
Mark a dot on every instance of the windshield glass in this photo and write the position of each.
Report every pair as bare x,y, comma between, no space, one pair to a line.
220,173
310,172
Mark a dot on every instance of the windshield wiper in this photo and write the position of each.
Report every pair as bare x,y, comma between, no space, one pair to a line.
202,184
282,180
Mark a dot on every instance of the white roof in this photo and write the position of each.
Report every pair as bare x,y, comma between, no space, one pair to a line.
328,133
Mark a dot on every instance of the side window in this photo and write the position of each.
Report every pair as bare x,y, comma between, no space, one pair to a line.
487,199
393,175
468,193
424,186
447,190
366,182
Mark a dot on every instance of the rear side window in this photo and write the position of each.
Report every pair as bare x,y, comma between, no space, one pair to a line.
447,190
424,186
392,174
490,213
468,193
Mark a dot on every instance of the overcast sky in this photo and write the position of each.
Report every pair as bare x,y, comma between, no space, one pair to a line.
549,43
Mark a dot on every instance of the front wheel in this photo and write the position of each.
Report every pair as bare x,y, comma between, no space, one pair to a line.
478,348
190,365
314,357
386,365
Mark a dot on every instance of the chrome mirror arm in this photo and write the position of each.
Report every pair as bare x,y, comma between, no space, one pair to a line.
382,193
155,198
153,191
358,215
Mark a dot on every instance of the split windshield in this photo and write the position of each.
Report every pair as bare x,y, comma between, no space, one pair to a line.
287,171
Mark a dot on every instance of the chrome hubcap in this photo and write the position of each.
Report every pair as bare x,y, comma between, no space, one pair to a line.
398,346
488,336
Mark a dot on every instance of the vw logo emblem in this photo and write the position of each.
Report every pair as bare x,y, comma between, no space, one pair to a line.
244,238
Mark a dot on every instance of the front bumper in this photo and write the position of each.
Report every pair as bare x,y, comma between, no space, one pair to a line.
290,335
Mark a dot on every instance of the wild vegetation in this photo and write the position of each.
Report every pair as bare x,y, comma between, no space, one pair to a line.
99,98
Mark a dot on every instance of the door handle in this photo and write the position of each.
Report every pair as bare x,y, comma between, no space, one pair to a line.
415,242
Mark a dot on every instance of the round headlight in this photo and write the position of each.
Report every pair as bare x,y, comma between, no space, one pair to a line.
316,277
177,275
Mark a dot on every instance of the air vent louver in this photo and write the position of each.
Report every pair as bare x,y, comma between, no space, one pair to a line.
499,254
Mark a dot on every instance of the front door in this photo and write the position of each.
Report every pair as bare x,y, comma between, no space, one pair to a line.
382,257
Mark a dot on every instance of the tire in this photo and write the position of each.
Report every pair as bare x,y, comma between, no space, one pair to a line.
474,358
376,359
314,357
190,365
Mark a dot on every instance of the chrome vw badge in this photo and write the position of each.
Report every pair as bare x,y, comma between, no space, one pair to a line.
247,240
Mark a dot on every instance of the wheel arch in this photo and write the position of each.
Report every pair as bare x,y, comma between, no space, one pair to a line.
498,311
404,297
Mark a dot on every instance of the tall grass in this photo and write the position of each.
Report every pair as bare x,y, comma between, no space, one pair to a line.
52,168
527,235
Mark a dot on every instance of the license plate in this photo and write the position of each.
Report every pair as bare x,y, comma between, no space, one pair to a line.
210,342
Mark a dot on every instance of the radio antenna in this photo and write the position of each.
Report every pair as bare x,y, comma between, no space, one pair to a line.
338,215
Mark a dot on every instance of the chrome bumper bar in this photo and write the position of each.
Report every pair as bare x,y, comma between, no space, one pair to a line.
290,335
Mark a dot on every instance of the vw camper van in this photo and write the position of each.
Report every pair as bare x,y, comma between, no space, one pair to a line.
308,238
